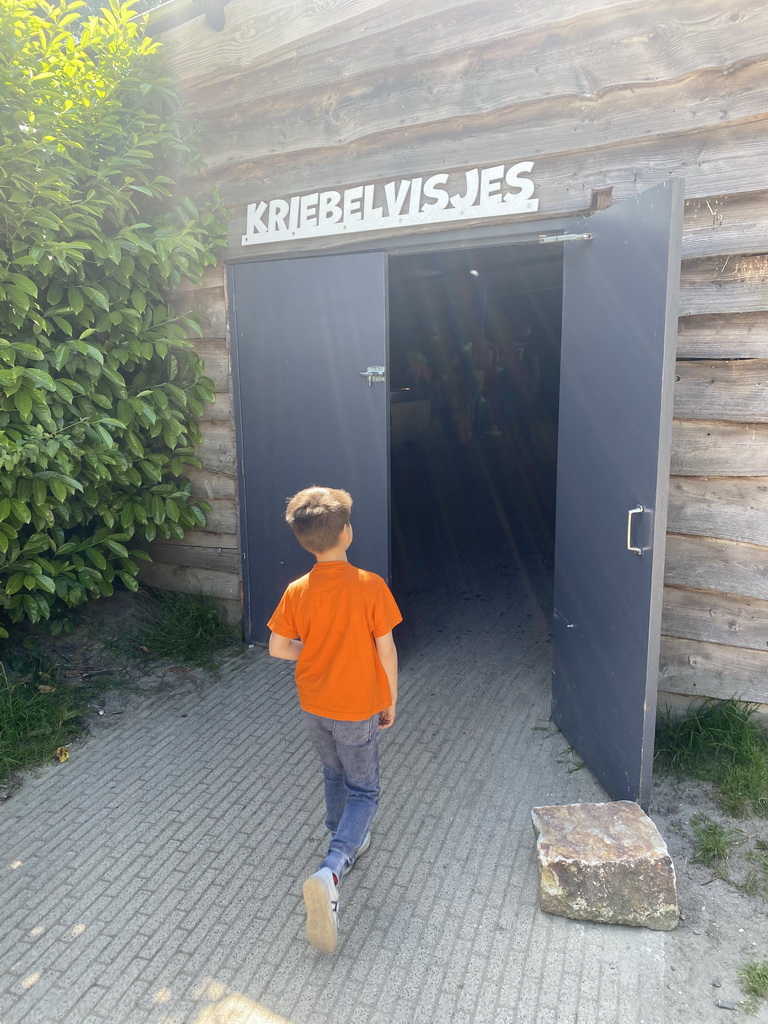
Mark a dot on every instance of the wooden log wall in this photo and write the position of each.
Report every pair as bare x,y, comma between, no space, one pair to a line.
622,94
207,561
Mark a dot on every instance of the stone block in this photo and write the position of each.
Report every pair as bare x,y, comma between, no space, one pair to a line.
605,862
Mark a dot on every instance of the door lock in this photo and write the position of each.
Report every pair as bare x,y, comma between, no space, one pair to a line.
373,373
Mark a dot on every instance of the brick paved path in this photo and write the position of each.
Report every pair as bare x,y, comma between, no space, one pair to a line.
155,878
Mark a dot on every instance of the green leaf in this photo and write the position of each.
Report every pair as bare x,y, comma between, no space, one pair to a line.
40,378
30,351
118,549
38,491
20,510
46,583
58,489
23,402
15,583
96,557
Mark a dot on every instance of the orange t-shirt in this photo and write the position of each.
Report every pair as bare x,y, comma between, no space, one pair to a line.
336,611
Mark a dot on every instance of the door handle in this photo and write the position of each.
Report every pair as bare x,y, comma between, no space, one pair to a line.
373,373
633,512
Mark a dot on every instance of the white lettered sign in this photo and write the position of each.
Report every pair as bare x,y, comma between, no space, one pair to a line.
406,202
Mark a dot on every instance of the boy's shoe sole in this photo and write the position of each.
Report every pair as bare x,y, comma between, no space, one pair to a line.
321,899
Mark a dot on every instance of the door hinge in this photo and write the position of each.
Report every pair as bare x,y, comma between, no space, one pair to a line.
550,239
373,373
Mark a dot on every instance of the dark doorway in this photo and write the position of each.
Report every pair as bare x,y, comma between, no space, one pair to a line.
474,341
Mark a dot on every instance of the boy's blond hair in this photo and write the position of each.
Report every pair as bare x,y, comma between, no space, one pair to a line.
317,515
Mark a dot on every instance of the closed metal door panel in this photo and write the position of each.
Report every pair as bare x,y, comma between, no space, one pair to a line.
304,330
620,302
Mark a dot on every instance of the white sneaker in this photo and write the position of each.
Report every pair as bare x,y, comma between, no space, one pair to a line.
321,899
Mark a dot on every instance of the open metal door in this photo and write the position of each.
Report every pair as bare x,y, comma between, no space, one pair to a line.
305,331
620,294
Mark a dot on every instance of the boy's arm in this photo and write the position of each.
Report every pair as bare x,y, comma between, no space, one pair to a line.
283,647
385,646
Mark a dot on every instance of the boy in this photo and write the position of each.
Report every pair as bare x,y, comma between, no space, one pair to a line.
336,624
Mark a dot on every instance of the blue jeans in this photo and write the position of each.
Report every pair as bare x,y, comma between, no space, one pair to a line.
350,755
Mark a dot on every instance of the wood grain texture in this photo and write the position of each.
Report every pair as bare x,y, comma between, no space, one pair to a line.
217,451
215,354
232,613
187,580
209,304
723,336
716,618
732,154
212,277
728,508
723,390
731,567
203,538
276,33
197,556
437,69
212,485
706,448
698,669
725,225
220,530
724,284
216,412
580,103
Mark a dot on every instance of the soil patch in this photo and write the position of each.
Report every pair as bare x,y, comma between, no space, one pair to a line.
724,922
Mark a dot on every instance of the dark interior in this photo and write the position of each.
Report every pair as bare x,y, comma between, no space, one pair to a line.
475,358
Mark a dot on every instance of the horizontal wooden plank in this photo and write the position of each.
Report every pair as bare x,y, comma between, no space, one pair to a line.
254,34
209,305
204,538
722,390
716,618
212,485
703,563
272,33
215,354
216,411
706,448
232,613
677,705
597,73
731,508
498,86
221,521
187,580
723,336
212,277
724,284
698,669
706,159
217,451
725,225
199,557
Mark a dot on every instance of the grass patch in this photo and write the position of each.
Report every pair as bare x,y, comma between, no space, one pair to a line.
756,880
38,714
712,843
722,742
184,627
754,982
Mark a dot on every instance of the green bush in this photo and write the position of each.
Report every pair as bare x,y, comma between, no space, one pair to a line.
99,387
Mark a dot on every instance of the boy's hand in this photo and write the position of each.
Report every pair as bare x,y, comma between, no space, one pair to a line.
387,717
